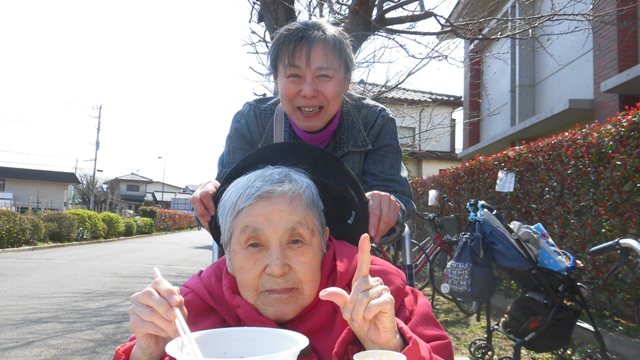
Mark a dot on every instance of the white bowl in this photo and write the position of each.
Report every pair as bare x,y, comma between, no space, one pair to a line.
379,355
248,343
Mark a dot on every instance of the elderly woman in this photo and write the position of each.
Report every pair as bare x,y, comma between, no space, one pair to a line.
311,62
283,268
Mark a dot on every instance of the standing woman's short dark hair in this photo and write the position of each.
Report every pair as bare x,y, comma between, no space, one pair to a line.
299,36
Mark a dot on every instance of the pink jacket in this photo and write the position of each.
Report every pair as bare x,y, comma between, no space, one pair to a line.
213,301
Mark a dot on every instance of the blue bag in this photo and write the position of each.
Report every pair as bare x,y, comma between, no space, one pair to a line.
552,257
469,274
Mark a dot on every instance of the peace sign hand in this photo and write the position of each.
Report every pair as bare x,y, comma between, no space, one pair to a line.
369,309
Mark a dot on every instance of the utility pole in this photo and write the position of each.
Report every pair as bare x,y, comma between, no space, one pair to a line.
164,168
95,160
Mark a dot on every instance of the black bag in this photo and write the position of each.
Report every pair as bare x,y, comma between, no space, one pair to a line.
469,274
531,313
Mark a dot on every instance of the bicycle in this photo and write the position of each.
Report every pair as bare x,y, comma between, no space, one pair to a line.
439,249
624,248
426,261
393,250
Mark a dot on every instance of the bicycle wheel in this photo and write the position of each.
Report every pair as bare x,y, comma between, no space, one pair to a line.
381,252
420,260
437,266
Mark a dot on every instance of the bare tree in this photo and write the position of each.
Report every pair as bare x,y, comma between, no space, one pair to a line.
395,39
413,33
82,191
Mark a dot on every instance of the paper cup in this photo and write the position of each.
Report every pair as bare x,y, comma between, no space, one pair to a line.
248,343
379,355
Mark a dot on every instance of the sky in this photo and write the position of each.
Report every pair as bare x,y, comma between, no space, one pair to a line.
168,75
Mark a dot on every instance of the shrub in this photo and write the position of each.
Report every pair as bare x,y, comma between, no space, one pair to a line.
14,229
150,212
170,220
36,229
60,226
114,224
89,224
583,185
145,225
130,227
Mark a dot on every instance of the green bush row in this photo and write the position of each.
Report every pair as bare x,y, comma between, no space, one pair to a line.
17,230
583,185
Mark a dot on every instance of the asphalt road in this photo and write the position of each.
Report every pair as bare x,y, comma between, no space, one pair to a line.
71,302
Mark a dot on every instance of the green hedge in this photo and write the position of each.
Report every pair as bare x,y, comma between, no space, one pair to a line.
60,226
583,185
145,225
130,227
18,230
90,226
114,224
37,231
150,212
14,229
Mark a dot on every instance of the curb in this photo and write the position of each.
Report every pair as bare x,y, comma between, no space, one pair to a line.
617,344
75,243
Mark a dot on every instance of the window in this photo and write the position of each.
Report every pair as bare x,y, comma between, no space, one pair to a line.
1,185
133,188
406,135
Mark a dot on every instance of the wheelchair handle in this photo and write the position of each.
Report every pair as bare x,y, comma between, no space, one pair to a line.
393,235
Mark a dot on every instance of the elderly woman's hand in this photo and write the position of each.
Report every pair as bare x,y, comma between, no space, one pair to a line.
152,318
384,210
202,202
369,309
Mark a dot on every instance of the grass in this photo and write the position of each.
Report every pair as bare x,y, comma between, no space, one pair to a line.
463,330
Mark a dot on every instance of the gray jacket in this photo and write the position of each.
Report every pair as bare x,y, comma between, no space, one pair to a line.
366,140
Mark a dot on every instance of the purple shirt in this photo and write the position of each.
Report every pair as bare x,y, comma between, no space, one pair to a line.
319,138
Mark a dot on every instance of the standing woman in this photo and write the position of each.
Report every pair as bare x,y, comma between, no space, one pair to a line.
311,62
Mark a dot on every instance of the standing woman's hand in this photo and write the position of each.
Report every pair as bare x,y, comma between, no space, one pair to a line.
370,308
152,318
202,202
384,210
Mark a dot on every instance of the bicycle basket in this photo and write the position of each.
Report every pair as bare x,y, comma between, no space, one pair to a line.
451,225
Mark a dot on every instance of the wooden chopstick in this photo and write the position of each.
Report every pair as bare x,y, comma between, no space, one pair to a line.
183,328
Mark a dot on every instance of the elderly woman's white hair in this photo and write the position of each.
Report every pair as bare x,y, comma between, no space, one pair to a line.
270,181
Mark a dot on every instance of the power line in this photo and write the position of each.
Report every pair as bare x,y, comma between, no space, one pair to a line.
39,123
39,155
37,164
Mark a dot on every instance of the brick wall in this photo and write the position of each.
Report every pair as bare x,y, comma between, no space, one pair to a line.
615,49
471,100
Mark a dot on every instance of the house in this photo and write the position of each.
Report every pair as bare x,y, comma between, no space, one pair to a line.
162,193
31,189
190,189
426,127
128,192
565,73
167,196
131,191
